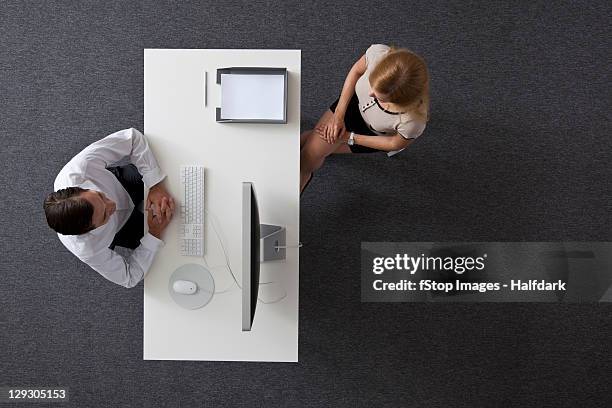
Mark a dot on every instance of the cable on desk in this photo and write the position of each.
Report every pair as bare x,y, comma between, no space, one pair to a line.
213,218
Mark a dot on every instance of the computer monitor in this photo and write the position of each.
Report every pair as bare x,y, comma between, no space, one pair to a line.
250,255
260,243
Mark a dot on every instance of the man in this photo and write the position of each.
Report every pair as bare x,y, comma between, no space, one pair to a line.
94,206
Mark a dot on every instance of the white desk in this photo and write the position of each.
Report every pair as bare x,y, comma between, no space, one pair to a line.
181,130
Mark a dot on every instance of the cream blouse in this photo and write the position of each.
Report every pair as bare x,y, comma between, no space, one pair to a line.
379,120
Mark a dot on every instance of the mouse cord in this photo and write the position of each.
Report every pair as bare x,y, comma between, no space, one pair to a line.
227,264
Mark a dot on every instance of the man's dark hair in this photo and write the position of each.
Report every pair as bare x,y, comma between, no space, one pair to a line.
67,213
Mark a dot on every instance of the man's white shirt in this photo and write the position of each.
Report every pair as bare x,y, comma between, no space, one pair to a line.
88,170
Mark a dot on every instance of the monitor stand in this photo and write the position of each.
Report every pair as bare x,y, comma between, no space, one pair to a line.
272,236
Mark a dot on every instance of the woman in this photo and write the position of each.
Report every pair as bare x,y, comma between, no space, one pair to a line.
384,106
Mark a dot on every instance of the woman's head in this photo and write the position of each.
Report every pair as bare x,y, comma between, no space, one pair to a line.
401,77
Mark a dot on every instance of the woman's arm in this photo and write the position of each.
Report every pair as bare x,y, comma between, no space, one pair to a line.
333,129
385,143
358,69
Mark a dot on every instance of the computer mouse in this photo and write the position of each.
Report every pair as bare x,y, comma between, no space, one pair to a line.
184,287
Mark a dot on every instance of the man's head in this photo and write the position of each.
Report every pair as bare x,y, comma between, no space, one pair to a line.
75,211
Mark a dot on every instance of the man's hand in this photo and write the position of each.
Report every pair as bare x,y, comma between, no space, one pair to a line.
155,200
158,222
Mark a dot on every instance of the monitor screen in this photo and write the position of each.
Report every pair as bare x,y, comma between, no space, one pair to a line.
254,253
250,255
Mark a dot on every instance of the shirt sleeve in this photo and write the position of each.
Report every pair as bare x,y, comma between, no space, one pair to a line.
410,130
128,143
375,53
126,272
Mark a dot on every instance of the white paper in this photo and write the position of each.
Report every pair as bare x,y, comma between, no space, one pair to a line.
252,96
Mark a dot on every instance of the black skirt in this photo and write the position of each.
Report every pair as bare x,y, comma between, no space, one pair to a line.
353,122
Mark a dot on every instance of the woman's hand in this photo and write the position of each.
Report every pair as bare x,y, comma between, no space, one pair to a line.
344,136
332,130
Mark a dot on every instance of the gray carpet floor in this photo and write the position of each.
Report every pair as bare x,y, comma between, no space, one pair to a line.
518,149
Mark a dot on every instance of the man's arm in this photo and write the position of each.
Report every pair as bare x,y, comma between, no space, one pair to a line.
128,272
128,143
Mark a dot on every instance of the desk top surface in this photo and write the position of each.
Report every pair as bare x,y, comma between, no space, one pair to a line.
182,130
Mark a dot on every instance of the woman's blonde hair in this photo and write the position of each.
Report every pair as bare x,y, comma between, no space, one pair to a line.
403,76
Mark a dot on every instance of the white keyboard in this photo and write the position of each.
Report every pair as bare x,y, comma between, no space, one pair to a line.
191,230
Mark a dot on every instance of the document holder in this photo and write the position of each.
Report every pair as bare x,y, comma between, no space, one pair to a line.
252,95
